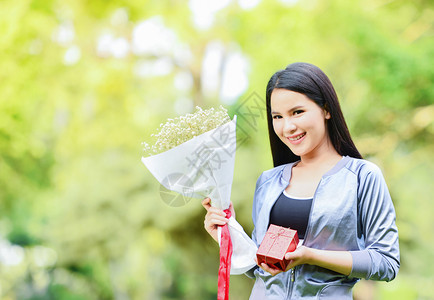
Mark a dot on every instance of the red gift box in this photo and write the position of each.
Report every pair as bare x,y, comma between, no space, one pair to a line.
276,243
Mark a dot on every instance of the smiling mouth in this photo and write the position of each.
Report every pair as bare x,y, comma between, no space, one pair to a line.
297,137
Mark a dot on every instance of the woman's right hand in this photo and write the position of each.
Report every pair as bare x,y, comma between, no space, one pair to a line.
214,217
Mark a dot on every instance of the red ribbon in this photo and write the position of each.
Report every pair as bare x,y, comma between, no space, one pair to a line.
225,261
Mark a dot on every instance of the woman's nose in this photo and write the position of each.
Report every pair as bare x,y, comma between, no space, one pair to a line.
289,126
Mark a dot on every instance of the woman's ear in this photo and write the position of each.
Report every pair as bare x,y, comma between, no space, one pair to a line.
327,115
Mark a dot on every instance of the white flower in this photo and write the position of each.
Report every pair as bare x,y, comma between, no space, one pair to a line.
182,129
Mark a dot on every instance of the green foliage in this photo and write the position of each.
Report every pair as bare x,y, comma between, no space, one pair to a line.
81,217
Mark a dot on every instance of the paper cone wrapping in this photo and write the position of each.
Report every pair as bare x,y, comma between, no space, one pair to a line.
204,167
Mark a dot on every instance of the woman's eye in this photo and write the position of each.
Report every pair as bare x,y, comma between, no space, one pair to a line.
277,117
297,112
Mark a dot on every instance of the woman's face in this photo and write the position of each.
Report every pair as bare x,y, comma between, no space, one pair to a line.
299,122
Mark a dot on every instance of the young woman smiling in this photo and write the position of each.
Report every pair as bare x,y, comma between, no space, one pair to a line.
321,186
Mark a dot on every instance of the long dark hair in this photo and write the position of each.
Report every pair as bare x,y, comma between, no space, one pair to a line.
309,80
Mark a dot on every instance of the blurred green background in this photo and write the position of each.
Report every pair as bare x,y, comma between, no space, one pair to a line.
83,83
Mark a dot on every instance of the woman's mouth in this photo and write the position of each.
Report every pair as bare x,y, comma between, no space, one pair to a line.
297,138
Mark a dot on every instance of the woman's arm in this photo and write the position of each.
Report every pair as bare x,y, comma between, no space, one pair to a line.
380,259
338,261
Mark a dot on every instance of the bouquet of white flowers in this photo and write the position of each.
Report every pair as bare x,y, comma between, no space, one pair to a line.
199,150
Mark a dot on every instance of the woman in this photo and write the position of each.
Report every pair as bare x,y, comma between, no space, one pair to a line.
321,186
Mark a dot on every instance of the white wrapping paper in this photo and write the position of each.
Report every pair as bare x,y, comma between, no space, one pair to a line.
206,164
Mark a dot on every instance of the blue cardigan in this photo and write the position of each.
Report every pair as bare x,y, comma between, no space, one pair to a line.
351,210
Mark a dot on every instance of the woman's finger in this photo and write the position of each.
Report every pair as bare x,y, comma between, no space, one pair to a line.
206,203
215,218
214,221
216,211
296,254
269,269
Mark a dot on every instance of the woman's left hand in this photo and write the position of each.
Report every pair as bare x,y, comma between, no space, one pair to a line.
298,257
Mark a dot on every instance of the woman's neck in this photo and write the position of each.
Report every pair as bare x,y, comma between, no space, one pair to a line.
326,158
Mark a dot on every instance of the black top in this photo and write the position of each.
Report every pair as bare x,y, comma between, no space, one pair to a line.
291,212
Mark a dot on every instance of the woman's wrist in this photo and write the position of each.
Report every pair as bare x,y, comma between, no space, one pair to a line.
311,256
338,261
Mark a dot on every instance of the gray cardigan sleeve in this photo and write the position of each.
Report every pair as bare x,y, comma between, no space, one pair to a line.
380,260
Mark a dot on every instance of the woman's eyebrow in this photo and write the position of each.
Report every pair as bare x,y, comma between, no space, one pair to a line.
296,107
289,110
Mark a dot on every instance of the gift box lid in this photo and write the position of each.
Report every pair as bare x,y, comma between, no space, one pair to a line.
278,241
